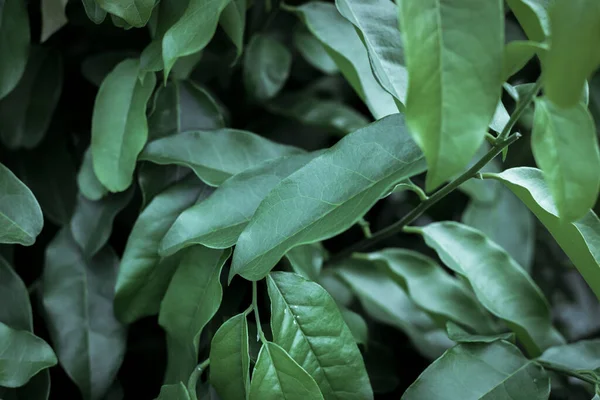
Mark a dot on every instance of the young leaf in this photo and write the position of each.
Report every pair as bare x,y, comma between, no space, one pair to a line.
432,289
218,221
277,376
496,370
92,222
344,46
377,26
267,65
176,391
78,301
233,22
328,195
214,155
565,146
307,260
192,32
95,13
573,54
454,84
135,12
499,283
582,357
313,51
21,217
14,40
579,239
230,361
143,275
87,181
533,17
25,112
22,355
307,324
459,335
119,126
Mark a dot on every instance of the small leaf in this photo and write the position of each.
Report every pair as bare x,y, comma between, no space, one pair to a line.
533,17
517,54
468,371
328,195
218,221
357,325
267,65
94,12
313,51
89,185
454,84
565,146
14,40
119,126
500,284
582,357
459,335
577,239
21,218
230,361
214,155
53,17
78,301
307,324
174,392
307,260
277,376
233,22
135,12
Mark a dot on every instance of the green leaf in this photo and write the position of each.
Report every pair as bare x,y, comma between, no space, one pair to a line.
182,106
496,370
267,65
307,260
500,284
342,43
38,388
313,51
277,376
573,54
21,217
97,66
22,355
533,17
579,240
92,221
432,289
181,361
357,325
565,147
119,126
135,12
328,195
459,335
192,32
230,361
78,302
53,17
14,40
377,27
307,324
154,179
94,12
214,155
174,392
582,357
87,181
233,22
25,113
218,221
339,290
144,275
517,54
454,85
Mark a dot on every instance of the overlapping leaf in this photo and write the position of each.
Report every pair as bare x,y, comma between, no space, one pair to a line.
14,40
135,12
267,64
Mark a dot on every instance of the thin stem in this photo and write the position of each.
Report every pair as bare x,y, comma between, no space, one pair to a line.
193,381
366,227
248,310
522,105
568,372
434,198
259,330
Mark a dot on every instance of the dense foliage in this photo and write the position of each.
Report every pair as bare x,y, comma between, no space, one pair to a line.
252,199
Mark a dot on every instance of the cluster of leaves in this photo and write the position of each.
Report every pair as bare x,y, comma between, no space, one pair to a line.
163,188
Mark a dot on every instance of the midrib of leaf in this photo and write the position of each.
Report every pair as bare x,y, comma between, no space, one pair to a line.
123,132
177,105
201,303
13,223
438,143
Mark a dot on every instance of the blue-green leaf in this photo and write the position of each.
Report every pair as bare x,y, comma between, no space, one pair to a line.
267,65
14,40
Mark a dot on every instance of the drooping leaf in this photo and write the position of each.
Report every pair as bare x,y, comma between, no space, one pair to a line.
25,112
579,239
377,26
233,22
499,283
53,17
459,335
307,260
344,46
87,181
313,51
144,275
533,17
230,361
328,195
176,391
119,126
277,376
454,85
218,221
94,12
214,155
14,40
135,13
21,218
432,289
582,357
573,55
78,301
307,324
92,221
565,146
474,371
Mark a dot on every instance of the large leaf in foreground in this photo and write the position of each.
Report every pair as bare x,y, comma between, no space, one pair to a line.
214,155
454,84
579,239
476,371
307,324
328,195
